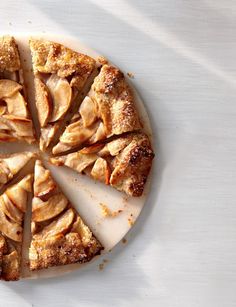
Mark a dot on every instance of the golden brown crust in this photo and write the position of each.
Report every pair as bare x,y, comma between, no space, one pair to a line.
59,234
124,163
109,109
115,101
54,58
61,250
9,55
132,166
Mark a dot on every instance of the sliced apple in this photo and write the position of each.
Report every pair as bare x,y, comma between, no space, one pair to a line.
88,111
83,230
47,134
59,226
18,192
46,210
101,171
61,94
43,101
10,210
3,110
99,135
10,229
4,172
76,160
43,183
8,88
22,126
18,161
16,105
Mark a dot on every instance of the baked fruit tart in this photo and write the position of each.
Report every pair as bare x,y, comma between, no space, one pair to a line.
88,121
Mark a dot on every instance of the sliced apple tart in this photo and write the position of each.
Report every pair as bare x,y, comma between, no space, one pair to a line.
123,163
59,235
108,109
60,75
12,164
15,120
13,205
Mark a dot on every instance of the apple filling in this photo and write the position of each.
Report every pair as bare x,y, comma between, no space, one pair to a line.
15,123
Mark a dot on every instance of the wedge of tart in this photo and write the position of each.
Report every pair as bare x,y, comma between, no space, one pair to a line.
13,204
108,109
12,164
60,75
124,163
15,119
59,235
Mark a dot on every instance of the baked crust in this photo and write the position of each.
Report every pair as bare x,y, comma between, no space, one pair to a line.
15,120
69,71
124,163
9,55
109,109
59,235
13,204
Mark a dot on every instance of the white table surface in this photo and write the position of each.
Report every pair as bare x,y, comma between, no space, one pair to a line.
182,251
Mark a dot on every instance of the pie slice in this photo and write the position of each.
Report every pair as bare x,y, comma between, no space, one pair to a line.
11,164
60,75
15,119
13,204
59,235
108,109
123,163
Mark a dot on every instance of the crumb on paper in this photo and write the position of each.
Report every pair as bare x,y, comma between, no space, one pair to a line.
124,240
130,74
10,24
102,60
106,212
105,260
29,21
101,266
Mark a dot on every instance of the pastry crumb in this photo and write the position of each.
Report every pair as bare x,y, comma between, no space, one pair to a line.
105,260
101,266
130,74
106,212
124,240
102,60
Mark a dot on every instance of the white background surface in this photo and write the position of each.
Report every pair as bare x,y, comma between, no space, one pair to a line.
182,251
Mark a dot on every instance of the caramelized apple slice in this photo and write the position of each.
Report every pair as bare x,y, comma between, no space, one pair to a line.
8,88
10,210
16,105
75,160
59,226
101,171
43,183
88,111
83,230
43,211
61,94
43,102
10,229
